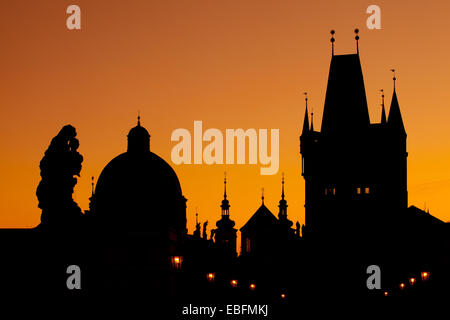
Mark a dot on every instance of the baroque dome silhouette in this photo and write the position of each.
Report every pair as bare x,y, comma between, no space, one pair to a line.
139,191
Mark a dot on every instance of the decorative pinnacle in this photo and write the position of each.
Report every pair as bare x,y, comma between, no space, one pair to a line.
225,185
139,118
92,184
262,197
332,32
357,38
282,186
394,78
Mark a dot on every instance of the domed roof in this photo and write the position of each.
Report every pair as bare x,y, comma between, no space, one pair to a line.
139,190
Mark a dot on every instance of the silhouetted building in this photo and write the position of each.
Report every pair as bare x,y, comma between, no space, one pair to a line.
354,171
225,233
139,209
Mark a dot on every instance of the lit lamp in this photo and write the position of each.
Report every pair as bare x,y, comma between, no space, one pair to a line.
283,296
252,286
412,281
386,293
210,276
425,275
234,283
402,286
176,262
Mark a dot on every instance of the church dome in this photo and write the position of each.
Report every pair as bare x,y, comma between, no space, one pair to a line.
139,191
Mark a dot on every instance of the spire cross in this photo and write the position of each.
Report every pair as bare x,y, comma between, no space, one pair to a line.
357,40
332,42
282,186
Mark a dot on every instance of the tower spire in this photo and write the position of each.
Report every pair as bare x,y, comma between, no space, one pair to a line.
332,42
306,119
312,121
139,118
262,196
92,186
225,203
383,111
282,186
357,40
394,78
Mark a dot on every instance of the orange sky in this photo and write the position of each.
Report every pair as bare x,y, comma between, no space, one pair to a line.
231,64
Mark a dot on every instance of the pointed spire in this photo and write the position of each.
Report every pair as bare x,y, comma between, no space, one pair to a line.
196,215
92,186
225,185
395,120
139,118
225,203
262,196
383,111
282,186
393,78
306,120
357,40
312,121
332,42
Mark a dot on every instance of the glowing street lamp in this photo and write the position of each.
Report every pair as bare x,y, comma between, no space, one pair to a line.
402,286
412,281
252,286
234,283
210,276
176,262
425,275
386,293
283,296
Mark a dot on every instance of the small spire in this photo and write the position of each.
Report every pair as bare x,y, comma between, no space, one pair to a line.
394,78
282,186
306,120
196,215
92,185
139,118
383,111
312,121
262,196
332,42
357,40
225,185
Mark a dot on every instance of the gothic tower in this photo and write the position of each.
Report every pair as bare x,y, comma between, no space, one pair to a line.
354,170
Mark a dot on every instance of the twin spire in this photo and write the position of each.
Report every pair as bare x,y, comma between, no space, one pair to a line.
332,40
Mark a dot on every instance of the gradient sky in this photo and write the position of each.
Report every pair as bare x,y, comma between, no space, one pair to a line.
231,64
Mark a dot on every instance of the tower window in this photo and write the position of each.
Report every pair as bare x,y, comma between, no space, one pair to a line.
330,191
247,245
358,190
367,190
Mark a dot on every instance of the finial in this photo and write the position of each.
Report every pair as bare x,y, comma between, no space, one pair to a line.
383,112
332,42
282,186
196,215
357,42
92,184
225,185
312,121
262,196
306,98
394,78
139,118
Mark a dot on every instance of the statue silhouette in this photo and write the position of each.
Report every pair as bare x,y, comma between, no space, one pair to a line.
205,224
59,166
